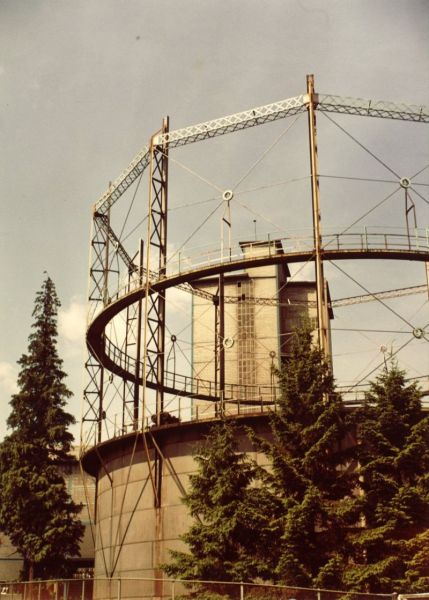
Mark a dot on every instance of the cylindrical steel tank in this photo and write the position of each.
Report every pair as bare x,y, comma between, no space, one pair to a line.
133,537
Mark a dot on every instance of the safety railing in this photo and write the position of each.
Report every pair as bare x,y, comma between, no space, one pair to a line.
364,241
193,411
194,386
169,589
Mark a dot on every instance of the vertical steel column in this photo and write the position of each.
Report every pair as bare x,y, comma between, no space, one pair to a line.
221,338
219,358
156,260
132,341
97,295
139,342
322,304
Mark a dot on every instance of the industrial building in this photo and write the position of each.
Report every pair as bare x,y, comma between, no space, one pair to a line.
143,414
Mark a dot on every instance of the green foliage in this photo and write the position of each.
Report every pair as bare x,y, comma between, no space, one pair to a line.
231,537
393,452
35,510
311,472
328,512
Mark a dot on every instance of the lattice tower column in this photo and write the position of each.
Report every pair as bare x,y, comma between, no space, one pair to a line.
97,298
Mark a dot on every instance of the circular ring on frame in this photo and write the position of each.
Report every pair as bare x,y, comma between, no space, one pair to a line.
228,342
405,182
228,195
418,333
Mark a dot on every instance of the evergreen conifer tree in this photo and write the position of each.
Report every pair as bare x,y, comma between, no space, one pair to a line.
232,535
391,549
311,469
36,511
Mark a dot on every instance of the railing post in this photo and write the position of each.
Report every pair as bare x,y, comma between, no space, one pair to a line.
241,591
119,589
319,595
366,238
39,592
83,590
172,590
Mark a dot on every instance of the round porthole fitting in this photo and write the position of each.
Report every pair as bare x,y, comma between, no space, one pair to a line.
405,182
228,342
418,333
228,195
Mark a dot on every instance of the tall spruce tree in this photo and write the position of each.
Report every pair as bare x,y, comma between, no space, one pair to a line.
391,549
36,511
232,536
311,469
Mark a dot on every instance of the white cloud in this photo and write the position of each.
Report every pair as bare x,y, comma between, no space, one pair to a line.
8,377
72,322
8,386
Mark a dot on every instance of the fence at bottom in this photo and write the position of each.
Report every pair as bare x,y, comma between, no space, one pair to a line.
169,589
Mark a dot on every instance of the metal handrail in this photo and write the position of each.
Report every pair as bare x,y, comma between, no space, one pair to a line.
362,241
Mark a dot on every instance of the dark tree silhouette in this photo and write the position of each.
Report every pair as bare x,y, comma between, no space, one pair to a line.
36,511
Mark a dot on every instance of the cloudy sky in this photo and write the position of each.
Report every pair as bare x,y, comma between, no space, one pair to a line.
84,83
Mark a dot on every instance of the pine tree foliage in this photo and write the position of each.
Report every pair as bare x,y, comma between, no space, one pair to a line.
312,470
36,511
231,537
392,548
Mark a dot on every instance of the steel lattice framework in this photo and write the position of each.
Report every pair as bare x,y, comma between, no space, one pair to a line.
131,371
259,116
146,310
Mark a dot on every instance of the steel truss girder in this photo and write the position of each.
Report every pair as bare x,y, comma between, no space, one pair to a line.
372,108
236,122
103,224
259,116
261,301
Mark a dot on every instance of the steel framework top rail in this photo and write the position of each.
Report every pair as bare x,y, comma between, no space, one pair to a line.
258,116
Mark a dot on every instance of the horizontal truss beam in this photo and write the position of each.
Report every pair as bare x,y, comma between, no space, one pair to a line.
259,116
373,108
408,291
